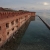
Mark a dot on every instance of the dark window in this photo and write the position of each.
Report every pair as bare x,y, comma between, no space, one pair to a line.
0,27
12,29
7,16
7,25
17,26
0,39
16,20
7,33
12,22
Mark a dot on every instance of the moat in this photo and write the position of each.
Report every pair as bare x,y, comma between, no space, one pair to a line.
33,35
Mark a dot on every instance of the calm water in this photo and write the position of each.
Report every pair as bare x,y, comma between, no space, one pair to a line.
33,35
37,37
45,16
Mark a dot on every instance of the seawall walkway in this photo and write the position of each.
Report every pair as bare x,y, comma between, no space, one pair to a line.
44,22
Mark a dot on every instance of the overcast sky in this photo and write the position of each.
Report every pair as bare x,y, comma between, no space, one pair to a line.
26,4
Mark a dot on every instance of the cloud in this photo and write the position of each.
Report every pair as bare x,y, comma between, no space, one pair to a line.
45,3
26,4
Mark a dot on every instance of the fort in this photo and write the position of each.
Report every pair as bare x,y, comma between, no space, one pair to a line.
11,21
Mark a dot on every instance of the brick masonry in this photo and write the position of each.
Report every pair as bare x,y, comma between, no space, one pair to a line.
15,20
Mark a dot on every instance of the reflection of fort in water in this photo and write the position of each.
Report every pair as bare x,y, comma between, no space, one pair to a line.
16,39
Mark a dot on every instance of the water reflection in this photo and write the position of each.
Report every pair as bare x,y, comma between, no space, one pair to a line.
16,39
37,37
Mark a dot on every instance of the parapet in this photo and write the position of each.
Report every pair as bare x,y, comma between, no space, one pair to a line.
4,13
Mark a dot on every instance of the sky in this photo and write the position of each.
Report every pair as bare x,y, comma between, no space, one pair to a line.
26,4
